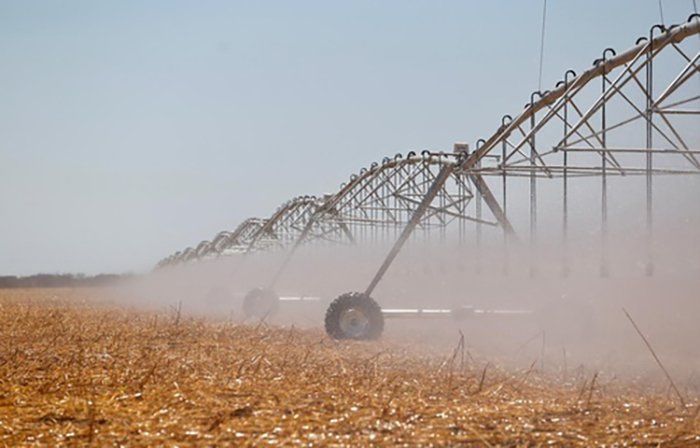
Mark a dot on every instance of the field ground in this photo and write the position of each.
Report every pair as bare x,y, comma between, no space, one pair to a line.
75,371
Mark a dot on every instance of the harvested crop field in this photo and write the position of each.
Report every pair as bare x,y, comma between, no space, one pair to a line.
76,372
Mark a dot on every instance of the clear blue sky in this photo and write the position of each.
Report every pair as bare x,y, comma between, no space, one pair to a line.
129,130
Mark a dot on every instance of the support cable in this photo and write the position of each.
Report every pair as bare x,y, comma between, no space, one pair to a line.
695,8
544,21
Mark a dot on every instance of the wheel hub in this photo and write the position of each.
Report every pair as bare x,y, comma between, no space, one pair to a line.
354,322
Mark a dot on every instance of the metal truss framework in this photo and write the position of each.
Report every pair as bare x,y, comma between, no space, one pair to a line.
224,243
636,113
633,113
373,205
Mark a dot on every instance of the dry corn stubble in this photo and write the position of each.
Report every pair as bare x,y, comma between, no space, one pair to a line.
74,372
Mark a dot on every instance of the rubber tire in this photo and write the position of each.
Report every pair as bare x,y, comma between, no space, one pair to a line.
261,302
360,301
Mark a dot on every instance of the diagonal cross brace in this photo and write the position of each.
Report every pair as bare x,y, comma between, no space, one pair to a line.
437,185
493,204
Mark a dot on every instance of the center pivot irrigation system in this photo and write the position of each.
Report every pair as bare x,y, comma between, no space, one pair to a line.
634,113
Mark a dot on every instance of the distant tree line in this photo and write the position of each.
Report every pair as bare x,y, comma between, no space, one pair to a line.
61,280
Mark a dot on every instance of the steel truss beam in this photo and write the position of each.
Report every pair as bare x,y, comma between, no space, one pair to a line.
372,206
582,128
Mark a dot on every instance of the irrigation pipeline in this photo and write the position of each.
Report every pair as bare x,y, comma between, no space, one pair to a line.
674,34
417,183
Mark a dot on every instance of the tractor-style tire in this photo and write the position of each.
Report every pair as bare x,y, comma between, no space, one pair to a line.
261,303
354,315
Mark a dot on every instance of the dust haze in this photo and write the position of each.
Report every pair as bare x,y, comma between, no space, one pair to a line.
567,316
